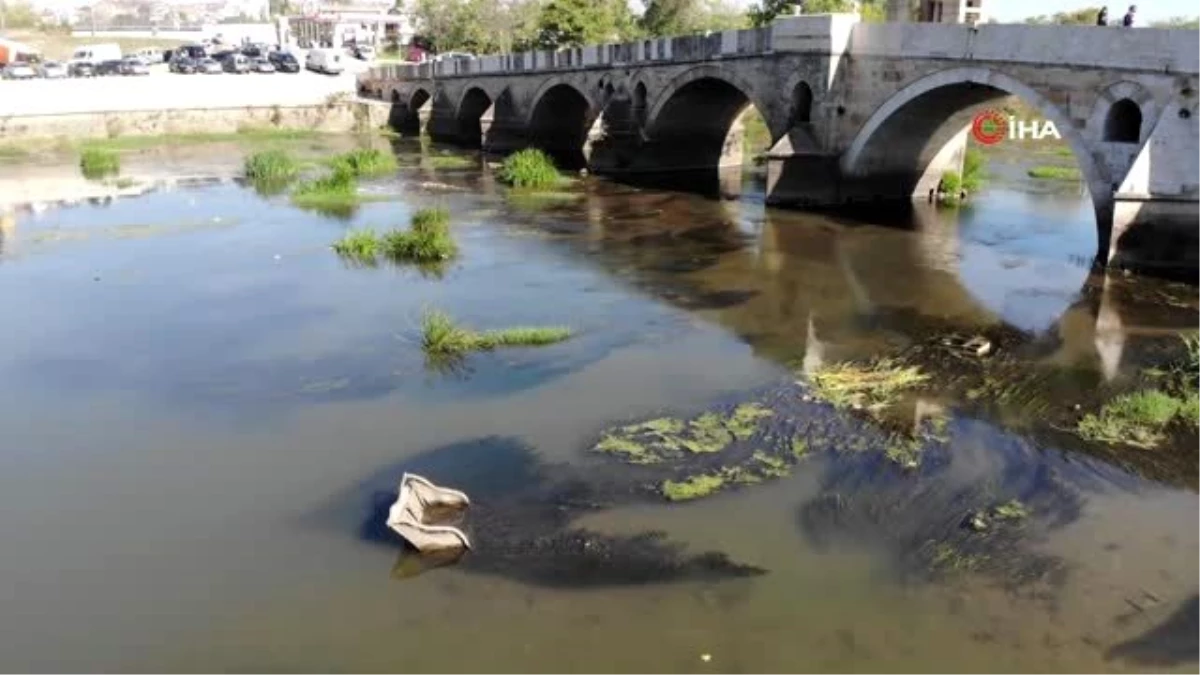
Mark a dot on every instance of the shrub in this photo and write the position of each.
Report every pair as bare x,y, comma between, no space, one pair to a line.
529,168
272,166
365,162
99,162
358,245
427,240
974,170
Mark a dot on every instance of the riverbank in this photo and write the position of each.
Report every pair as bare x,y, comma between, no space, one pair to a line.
339,113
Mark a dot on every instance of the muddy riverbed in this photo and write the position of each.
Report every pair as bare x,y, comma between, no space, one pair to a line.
207,410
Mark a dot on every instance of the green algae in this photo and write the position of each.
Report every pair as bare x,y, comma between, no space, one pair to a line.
744,421
664,438
693,487
873,386
799,446
1013,509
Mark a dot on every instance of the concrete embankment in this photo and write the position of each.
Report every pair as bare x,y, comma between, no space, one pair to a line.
168,103
338,115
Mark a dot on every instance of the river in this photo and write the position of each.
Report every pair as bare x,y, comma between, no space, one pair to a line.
203,406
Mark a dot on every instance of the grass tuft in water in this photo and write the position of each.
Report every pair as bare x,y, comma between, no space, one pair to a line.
872,386
1054,173
450,162
531,169
97,163
1138,419
271,166
358,245
427,240
365,162
442,336
334,189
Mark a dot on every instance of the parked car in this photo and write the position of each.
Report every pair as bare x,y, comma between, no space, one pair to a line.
363,52
109,67
327,61
81,69
51,70
209,67
19,70
149,55
253,51
193,51
284,62
182,65
451,56
134,66
261,66
236,63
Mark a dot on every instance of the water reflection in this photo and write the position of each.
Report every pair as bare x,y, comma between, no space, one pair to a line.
241,403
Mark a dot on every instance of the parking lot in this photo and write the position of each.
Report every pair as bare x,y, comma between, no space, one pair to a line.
162,90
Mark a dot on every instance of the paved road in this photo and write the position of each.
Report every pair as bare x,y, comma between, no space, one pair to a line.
162,90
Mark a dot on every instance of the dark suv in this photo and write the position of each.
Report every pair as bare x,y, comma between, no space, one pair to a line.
284,62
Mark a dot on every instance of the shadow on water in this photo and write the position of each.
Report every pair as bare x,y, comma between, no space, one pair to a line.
1173,642
520,520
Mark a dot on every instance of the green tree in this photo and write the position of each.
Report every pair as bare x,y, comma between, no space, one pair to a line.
1191,22
18,15
766,12
574,23
1084,16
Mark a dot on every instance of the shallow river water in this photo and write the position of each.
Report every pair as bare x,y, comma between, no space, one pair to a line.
204,406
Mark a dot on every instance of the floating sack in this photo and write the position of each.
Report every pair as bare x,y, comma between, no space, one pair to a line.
427,516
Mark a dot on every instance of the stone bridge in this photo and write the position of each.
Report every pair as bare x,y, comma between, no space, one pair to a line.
856,111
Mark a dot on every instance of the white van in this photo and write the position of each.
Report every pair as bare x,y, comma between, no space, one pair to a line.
328,61
96,53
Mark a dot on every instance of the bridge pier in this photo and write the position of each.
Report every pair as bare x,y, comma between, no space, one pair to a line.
801,174
1155,236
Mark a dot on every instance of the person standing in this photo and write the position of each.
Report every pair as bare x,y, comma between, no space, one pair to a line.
1102,17
1128,20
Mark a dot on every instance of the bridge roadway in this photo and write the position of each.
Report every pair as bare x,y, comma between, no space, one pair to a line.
857,111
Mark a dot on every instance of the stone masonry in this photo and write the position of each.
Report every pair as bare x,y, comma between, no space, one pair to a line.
856,111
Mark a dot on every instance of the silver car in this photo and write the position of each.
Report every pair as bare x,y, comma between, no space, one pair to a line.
52,70
19,70
134,66
208,67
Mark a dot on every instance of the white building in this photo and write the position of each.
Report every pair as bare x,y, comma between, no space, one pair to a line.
970,12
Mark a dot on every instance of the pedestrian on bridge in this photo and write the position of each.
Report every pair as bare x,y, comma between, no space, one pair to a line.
1102,17
1128,20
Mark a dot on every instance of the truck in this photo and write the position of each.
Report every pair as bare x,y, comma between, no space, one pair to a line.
327,61
96,53
15,52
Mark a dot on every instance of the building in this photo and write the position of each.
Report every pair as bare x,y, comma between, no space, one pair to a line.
969,12
337,25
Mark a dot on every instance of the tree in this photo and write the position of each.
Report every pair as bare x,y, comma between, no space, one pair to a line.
18,15
1191,22
766,12
1085,16
574,23
670,17
478,26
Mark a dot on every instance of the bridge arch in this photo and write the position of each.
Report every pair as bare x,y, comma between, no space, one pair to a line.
703,74
694,123
560,117
1118,108
469,113
905,137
